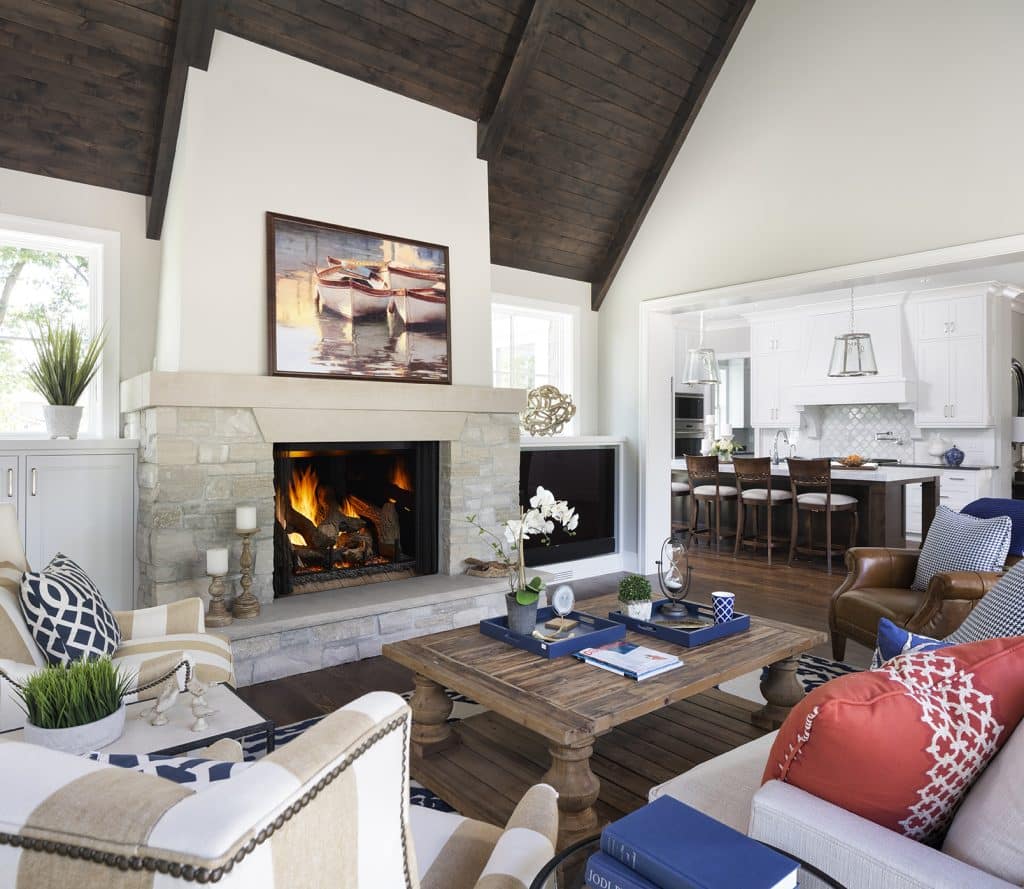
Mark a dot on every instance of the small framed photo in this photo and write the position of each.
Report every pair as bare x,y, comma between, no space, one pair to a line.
351,304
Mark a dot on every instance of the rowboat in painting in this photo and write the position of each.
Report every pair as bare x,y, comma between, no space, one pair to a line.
404,278
420,306
344,292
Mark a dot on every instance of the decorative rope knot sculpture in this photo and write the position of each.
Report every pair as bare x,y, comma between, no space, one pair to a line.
547,411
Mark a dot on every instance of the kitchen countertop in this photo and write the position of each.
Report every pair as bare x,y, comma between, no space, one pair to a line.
893,473
946,468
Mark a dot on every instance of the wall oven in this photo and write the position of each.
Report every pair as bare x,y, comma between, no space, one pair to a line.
688,426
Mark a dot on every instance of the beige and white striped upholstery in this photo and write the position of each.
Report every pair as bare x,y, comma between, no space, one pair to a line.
329,810
154,640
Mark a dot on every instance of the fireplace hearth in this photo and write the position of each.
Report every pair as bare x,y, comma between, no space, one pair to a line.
348,514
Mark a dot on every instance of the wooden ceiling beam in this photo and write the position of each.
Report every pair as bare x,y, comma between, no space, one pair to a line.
673,140
192,45
492,131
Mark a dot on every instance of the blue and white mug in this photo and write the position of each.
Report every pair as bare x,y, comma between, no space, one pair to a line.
724,606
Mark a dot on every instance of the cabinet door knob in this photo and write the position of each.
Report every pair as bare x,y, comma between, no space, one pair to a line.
10,484
35,478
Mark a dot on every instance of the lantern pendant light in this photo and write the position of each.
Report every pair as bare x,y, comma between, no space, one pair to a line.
701,363
852,353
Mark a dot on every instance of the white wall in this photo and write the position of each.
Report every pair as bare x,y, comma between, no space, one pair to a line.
264,131
564,295
57,200
836,132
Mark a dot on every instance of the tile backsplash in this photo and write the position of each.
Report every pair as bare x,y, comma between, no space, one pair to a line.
850,429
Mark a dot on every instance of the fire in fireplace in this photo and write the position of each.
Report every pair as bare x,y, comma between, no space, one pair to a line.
351,514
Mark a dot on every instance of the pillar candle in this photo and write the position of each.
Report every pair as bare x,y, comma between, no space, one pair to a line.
726,429
245,518
216,561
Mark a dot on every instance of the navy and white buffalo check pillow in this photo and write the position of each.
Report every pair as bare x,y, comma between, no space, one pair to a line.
195,773
999,614
958,542
66,613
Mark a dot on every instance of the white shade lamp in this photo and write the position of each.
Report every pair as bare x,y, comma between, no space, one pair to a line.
1017,437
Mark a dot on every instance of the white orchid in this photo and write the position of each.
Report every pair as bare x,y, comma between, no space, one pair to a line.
537,521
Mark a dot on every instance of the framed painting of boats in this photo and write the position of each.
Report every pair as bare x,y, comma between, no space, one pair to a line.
351,304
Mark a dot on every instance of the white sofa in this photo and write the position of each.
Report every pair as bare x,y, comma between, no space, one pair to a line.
859,854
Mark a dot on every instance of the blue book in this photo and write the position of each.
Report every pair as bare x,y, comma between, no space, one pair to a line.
676,847
604,872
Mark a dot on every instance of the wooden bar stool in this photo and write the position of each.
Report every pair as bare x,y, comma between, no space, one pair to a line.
814,477
680,491
706,487
754,483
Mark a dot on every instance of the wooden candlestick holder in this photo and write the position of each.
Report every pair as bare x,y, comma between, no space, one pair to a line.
246,605
217,615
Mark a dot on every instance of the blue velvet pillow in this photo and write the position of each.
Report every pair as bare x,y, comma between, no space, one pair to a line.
894,641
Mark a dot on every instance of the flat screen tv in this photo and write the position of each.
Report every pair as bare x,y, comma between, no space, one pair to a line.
586,478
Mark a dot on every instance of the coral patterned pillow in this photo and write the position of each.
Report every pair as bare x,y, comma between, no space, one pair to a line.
901,745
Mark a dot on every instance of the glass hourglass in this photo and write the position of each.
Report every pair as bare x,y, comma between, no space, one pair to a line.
674,576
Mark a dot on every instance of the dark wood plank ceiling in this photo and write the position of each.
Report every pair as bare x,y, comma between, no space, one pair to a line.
583,103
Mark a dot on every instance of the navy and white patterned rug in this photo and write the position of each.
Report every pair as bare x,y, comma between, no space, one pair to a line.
812,672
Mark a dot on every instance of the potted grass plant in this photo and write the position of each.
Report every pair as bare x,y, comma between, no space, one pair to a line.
635,596
537,521
65,365
76,708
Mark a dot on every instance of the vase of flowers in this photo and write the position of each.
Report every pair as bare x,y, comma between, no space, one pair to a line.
65,365
537,521
724,448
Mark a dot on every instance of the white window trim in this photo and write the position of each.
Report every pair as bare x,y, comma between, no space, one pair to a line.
552,308
103,248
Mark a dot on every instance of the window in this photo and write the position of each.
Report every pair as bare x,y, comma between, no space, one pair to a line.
533,347
47,277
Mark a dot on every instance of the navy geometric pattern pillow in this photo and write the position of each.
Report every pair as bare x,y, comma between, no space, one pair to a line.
999,614
197,774
66,613
958,542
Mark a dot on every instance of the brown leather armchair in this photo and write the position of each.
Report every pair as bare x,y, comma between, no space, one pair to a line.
878,585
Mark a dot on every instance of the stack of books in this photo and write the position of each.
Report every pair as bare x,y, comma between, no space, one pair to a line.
628,659
669,845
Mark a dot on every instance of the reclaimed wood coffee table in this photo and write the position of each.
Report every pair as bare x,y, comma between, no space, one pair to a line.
545,718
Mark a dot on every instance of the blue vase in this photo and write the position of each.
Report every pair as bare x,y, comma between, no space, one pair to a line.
954,456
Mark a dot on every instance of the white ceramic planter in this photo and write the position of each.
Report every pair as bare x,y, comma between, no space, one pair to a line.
80,738
637,610
63,420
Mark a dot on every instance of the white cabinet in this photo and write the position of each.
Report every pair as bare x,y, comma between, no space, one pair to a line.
957,488
952,362
81,504
775,365
9,480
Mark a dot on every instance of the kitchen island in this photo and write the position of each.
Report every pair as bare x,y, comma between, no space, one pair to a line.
880,493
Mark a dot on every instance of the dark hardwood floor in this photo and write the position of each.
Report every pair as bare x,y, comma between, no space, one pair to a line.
798,595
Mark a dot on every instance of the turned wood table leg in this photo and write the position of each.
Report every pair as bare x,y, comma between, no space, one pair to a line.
431,708
782,690
577,788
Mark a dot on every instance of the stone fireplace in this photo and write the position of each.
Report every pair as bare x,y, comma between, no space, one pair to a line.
207,445
353,513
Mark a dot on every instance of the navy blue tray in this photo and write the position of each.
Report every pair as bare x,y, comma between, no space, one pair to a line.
592,631
686,638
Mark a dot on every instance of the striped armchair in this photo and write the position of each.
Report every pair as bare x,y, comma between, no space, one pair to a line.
330,810
154,640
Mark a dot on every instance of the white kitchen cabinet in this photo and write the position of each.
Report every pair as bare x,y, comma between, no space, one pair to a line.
9,480
957,488
952,362
781,335
83,505
775,365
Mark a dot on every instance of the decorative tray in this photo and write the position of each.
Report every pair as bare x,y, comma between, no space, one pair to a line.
590,631
661,627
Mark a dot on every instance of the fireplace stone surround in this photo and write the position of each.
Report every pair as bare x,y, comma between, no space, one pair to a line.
206,446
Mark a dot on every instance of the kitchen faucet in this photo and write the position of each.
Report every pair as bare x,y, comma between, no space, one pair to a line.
776,460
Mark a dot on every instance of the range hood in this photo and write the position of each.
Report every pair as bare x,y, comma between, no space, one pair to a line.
883,318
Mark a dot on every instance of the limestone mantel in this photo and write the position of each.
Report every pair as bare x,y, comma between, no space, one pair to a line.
206,446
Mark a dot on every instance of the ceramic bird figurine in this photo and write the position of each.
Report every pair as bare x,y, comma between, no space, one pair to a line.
164,703
198,690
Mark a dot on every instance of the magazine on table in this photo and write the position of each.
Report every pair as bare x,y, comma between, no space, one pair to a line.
630,659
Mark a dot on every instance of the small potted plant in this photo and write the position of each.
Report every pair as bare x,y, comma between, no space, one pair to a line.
635,596
537,521
76,707
65,365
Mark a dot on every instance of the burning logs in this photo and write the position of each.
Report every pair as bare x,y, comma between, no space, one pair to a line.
385,524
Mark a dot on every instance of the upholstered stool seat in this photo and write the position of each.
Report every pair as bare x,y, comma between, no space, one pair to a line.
817,498
680,488
761,494
713,490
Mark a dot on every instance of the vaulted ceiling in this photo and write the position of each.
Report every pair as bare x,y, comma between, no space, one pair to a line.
582,104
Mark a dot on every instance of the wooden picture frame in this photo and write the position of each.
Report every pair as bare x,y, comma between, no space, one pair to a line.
349,304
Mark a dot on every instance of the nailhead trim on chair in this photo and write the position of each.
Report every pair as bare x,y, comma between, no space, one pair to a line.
193,874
